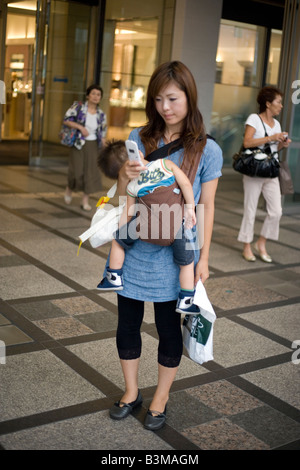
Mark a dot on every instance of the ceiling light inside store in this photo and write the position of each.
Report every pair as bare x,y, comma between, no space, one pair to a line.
30,5
124,31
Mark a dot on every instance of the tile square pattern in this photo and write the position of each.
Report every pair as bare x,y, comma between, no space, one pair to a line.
283,321
60,328
222,434
68,317
235,344
11,260
91,432
39,381
220,416
11,334
231,292
282,381
39,310
13,285
224,398
77,305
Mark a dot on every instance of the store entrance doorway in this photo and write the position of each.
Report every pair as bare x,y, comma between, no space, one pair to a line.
17,77
46,64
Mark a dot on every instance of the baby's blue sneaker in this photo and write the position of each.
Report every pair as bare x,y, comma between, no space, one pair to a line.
185,305
112,281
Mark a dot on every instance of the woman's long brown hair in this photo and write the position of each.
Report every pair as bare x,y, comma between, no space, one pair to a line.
193,135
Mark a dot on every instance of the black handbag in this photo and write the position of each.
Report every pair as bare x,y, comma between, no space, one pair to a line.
257,162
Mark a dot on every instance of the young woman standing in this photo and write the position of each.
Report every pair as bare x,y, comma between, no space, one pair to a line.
150,273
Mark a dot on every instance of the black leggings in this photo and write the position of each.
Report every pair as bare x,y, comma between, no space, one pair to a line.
168,324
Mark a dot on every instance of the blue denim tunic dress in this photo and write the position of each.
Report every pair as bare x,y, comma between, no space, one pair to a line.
149,270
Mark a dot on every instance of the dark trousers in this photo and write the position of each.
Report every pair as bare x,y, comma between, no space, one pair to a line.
168,324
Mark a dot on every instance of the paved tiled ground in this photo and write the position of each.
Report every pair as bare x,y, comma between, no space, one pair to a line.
62,372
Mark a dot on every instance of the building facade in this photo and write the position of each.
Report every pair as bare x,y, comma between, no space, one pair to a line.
52,50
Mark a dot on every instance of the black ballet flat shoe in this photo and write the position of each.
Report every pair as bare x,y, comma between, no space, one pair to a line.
121,412
155,420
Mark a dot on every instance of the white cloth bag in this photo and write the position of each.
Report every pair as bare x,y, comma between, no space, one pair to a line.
104,223
197,330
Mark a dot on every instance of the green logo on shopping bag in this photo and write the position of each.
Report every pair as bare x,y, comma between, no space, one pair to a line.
199,327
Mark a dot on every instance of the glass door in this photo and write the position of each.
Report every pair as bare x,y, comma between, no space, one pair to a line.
47,61
38,83
63,70
17,66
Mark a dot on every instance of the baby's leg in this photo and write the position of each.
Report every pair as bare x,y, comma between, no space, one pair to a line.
117,255
185,302
187,277
114,273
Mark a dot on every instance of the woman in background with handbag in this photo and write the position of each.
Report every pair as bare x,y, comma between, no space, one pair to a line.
261,130
90,122
149,270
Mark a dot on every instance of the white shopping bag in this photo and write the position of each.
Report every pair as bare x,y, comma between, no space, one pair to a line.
197,330
104,222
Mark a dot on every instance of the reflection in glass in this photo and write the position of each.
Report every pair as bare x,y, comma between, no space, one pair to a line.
294,165
238,52
134,56
239,69
19,47
274,58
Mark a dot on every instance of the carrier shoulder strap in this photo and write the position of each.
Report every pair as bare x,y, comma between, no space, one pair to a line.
164,151
173,147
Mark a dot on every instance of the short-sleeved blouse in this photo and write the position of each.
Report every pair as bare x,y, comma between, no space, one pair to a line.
149,270
254,121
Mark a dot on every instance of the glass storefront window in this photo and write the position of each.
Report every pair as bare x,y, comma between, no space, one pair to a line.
294,165
239,73
274,57
20,40
133,63
295,131
293,153
66,63
131,47
239,53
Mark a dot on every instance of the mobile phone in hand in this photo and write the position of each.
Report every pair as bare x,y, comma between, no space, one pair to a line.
133,151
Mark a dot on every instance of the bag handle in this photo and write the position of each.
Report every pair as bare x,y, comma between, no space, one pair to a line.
101,203
267,135
110,193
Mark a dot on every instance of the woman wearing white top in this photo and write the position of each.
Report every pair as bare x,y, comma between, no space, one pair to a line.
270,105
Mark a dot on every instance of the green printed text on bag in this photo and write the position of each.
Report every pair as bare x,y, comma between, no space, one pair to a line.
199,329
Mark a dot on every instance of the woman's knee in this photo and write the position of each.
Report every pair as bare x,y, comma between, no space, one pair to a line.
169,361
275,213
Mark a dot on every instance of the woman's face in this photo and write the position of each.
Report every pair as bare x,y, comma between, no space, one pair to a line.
276,106
94,96
171,103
